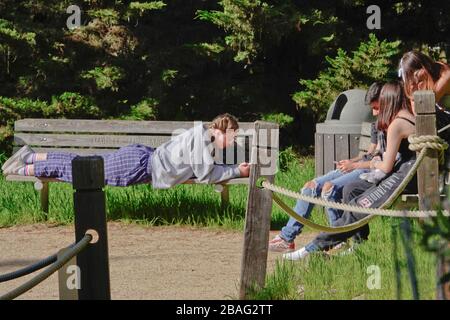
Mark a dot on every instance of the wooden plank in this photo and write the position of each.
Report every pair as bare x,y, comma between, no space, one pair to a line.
267,137
328,152
342,146
242,150
240,154
318,154
366,129
108,126
69,278
17,178
428,173
268,159
226,182
257,226
354,145
364,143
85,140
78,151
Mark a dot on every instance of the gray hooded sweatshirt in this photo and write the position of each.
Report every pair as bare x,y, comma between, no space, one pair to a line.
188,155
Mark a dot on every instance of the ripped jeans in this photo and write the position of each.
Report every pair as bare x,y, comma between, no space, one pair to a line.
338,179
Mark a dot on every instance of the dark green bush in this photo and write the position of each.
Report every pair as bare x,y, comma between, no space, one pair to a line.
72,105
371,62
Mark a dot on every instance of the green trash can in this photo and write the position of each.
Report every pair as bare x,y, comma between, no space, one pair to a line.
339,136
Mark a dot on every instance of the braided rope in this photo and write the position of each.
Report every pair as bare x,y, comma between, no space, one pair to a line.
422,143
418,143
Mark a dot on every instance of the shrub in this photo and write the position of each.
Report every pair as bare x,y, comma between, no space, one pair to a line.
72,105
282,119
370,62
144,110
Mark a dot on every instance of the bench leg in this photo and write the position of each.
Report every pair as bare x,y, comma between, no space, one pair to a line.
225,196
44,197
43,188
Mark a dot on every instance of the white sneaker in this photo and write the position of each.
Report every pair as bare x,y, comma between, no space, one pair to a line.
339,245
14,167
17,158
349,250
296,255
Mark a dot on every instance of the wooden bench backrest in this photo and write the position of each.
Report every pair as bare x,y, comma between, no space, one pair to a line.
87,137
364,139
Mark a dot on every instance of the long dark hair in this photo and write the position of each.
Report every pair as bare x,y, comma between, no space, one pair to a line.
392,100
418,69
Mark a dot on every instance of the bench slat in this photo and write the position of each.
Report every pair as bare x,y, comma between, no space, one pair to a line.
86,140
18,178
364,143
366,129
108,126
231,155
78,151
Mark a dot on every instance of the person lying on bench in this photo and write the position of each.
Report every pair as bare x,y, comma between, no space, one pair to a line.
186,155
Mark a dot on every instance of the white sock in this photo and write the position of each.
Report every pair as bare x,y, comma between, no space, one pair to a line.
24,171
21,171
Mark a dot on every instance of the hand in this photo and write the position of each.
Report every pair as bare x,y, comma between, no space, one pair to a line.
345,166
374,161
244,169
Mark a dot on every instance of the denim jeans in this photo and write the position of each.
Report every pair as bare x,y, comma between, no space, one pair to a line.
339,179
363,194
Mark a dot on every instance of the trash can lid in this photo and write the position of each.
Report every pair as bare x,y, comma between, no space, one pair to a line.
350,107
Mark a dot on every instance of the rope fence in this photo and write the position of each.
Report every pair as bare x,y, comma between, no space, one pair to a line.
417,143
28,269
64,258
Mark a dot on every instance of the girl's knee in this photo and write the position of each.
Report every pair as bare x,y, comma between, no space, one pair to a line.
310,184
327,190
309,189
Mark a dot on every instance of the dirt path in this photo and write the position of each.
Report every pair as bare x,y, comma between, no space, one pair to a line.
145,263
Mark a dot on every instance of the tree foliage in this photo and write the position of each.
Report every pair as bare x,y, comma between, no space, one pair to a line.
372,61
178,59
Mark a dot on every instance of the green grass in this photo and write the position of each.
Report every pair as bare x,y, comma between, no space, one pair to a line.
345,277
199,205
194,205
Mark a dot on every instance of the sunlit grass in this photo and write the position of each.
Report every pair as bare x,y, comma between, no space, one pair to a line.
320,277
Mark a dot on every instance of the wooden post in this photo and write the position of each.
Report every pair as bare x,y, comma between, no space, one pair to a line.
68,278
259,208
428,172
90,214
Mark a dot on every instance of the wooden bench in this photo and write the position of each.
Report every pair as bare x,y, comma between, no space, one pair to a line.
331,146
89,137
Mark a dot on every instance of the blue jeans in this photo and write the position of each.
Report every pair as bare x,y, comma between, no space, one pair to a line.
339,179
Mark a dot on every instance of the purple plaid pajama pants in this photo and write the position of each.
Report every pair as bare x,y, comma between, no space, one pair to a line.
126,166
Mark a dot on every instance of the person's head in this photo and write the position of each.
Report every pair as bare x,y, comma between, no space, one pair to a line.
392,101
224,129
418,72
372,97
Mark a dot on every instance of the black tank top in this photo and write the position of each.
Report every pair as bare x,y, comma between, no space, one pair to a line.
405,153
